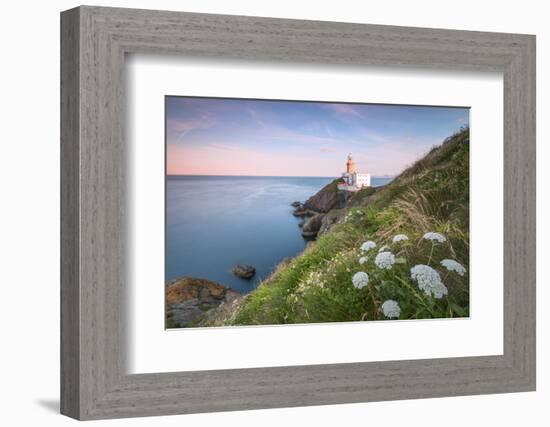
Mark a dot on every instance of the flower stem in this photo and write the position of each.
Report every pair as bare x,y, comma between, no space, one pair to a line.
419,297
431,253
372,290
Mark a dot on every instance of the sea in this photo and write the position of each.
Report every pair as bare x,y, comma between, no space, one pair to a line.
216,222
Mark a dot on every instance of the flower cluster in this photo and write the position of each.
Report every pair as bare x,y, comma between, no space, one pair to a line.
375,266
391,309
314,278
452,265
429,281
399,238
368,245
360,280
385,260
437,237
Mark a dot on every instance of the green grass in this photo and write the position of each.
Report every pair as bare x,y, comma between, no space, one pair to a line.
361,197
316,286
332,187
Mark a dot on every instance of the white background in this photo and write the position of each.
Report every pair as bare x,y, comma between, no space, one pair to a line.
154,350
29,218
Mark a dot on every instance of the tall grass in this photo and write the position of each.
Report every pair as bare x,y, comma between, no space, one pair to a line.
430,196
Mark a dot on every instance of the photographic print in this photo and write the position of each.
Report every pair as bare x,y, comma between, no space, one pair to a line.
292,212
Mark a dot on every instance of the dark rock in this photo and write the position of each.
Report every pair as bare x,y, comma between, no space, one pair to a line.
312,226
189,288
244,271
301,212
329,197
219,315
184,314
188,299
330,219
296,204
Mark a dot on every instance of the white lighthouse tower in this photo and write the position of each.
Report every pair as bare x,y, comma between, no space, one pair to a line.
353,180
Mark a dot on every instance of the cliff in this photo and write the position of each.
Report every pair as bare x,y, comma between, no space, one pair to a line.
429,198
326,199
325,207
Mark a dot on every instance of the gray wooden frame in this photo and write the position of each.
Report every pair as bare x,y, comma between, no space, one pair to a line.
94,41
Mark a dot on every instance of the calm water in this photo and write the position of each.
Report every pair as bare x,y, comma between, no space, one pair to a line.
215,222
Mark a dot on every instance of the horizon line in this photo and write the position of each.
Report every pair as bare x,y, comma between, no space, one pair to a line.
272,176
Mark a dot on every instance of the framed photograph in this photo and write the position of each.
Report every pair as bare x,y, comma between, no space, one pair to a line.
251,183
347,210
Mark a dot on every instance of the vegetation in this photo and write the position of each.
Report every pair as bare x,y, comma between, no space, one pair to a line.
361,197
323,284
332,187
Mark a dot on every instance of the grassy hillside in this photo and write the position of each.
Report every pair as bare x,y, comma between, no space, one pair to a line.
323,284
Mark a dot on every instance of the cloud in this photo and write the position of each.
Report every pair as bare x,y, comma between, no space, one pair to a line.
255,117
329,131
183,126
345,110
251,137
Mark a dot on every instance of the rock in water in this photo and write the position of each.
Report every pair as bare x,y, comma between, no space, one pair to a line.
295,204
244,271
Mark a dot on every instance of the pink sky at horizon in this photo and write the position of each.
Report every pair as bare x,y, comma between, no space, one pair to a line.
227,162
212,136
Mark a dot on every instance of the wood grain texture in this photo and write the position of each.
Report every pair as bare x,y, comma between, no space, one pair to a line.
94,196
70,314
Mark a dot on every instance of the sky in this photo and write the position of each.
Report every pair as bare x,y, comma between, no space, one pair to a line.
211,136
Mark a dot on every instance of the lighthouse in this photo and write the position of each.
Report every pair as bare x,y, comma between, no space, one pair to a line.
350,165
353,180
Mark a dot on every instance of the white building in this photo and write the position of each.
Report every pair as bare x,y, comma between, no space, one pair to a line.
353,181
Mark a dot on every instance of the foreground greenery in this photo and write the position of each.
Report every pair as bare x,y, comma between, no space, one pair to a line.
319,285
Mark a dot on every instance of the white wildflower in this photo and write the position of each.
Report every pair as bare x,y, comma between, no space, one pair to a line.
363,260
399,238
391,309
384,249
302,287
438,237
360,280
368,245
385,260
452,265
313,279
429,281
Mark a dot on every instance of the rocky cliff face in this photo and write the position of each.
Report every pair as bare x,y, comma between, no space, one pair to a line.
326,207
329,197
312,225
188,299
